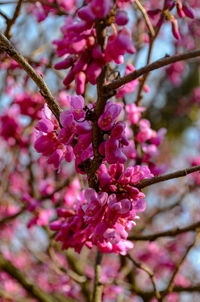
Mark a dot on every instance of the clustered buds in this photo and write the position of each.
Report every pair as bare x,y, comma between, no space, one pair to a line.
183,10
101,218
83,55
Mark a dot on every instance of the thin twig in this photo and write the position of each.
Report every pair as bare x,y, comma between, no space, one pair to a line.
39,81
149,272
151,181
7,219
4,16
178,267
146,18
11,21
173,232
150,67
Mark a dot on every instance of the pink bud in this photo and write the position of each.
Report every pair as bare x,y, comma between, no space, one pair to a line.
65,63
97,53
180,9
153,12
101,7
92,72
81,63
85,13
69,78
175,29
56,158
121,17
69,155
188,11
80,82
170,4
79,27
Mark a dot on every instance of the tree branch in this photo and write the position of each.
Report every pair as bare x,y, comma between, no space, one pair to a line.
170,286
146,18
149,272
97,293
39,81
151,181
173,232
11,22
7,219
155,65
32,289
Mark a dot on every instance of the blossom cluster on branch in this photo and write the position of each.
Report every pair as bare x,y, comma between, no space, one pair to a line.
100,139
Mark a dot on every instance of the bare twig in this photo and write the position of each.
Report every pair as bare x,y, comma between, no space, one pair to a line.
146,18
170,286
149,272
147,295
4,16
11,217
39,81
11,21
150,181
169,233
150,67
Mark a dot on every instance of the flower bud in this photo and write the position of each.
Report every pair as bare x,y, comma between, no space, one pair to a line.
80,82
121,17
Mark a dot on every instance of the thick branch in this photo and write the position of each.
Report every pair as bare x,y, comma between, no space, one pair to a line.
172,232
150,181
155,65
39,81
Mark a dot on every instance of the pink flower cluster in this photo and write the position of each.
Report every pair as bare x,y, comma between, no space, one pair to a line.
30,104
46,138
11,127
175,72
79,44
74,139
148,138
182,9
41,11
129,87
101,218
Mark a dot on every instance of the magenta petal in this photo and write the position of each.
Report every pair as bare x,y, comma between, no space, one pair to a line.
66,118
45,125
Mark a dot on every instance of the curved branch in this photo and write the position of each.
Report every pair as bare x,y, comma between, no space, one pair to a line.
149,272
172,232
170,286
39,81
151,181
11,217
155,65
146,18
